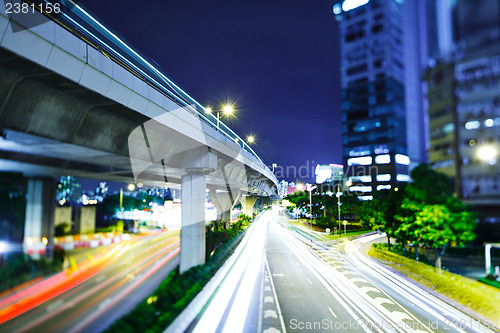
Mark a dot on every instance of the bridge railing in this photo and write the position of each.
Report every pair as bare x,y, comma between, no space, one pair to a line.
84,26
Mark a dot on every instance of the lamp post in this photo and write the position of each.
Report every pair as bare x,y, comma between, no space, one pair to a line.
310,188
130,187
339,194
226,110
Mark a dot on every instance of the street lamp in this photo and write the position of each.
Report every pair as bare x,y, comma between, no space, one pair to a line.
226,110
250,139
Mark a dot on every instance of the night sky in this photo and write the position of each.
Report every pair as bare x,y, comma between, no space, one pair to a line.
278,61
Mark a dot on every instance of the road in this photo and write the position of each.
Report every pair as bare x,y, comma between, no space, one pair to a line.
100,290
281,281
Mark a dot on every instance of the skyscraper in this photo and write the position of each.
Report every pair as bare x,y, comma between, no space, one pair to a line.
384,46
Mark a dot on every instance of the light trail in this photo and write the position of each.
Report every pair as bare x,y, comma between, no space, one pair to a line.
235,292
81,296
426,309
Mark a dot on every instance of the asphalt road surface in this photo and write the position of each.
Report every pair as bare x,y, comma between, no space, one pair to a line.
281,281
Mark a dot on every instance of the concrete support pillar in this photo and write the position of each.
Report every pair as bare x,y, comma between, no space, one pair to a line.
248,202
224,201
193,194
39,219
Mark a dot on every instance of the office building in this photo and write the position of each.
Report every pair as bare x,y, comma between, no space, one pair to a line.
384,45
464,106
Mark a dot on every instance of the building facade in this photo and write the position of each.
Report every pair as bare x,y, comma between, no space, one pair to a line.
384,46
464,105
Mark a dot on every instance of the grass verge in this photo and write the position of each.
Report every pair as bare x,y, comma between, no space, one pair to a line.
477,296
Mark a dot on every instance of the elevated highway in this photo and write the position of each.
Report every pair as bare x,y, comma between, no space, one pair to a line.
76,99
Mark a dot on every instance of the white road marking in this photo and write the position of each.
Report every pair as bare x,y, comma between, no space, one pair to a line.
271,330
268,299
400,316
382,300
270,313
333,313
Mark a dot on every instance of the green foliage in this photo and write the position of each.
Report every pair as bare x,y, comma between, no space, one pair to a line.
325,222
489,282
350,205
429,215
217,235
62,229
401,251
379,213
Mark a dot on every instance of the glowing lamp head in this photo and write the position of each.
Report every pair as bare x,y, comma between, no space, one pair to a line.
208,110
251,139
131,187
228,109
45,241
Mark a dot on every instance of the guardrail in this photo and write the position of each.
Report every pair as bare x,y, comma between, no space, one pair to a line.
84,26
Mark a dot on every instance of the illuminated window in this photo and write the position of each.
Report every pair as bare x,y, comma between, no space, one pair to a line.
384,178
402,159
448,128
381,149
360,151
364,179
360,188
383,187
366,160
403,178
337,9
472,124
383,159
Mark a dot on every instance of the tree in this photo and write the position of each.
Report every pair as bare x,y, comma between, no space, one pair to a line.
430,216
380,212
350,207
